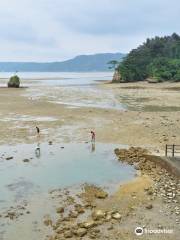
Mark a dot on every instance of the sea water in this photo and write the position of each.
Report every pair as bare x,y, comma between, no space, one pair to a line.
37,168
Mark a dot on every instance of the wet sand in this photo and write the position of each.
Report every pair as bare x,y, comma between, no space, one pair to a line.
151,119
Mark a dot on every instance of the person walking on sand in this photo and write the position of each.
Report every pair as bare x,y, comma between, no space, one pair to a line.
93,136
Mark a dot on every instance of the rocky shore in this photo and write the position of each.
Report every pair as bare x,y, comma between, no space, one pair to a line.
165,184
93,214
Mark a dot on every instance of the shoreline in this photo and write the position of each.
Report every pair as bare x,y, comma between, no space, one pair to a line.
117,215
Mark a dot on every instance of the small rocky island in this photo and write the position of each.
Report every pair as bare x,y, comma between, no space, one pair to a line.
14,82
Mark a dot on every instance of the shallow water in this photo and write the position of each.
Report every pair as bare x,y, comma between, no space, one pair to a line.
86,96
54,167
73,90
58,78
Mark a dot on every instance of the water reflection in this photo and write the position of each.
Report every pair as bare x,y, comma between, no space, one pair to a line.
38,151
93,147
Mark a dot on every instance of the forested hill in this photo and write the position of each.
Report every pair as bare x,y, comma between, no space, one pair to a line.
82,63
158,59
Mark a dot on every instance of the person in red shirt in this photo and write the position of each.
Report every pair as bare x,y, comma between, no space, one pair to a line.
93,136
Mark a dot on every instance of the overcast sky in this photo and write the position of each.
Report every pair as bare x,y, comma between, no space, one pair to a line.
51,30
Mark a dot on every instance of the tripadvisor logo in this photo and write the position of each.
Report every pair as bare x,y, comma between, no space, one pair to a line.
139,231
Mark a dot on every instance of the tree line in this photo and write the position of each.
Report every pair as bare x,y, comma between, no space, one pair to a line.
158,58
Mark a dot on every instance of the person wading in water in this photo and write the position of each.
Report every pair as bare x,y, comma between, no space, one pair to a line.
38,130
93,136
38,150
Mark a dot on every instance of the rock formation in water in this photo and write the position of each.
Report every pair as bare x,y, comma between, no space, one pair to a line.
116,77
14,82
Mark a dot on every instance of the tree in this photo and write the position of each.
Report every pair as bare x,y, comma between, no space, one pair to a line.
113,64
157,57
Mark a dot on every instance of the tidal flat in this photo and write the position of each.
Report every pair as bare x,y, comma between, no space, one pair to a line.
72,189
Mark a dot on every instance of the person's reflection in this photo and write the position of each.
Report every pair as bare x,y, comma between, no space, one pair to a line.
93,147
38,151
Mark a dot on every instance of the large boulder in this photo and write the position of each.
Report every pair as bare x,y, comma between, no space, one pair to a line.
14,82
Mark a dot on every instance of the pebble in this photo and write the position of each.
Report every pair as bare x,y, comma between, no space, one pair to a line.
68,234
9,158
116,216
80,232
60,210
98,214
26,160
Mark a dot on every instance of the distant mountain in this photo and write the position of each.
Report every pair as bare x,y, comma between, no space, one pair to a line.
82,63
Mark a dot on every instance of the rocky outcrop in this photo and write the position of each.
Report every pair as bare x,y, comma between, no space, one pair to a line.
167,185
116,77
152,80
14,82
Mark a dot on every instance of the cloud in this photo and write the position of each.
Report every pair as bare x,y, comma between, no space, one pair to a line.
47,30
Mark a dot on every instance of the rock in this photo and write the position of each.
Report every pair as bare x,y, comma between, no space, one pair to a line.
14,82
137,167
152,80
11,215
149,191
108,217
98,214
48,222
26,160
60,210
59,230
94,234
149,206
101,194
68,234
116,77
89,224
65,219
79,208
80,232
9,158
116,151
70,200
110,227
116,216
73,214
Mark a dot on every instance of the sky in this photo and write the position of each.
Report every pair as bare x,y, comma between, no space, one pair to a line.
56,30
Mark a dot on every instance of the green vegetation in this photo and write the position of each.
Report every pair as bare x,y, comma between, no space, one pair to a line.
113,64
157,58
14,82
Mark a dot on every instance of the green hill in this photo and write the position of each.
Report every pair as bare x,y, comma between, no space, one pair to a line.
158,58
